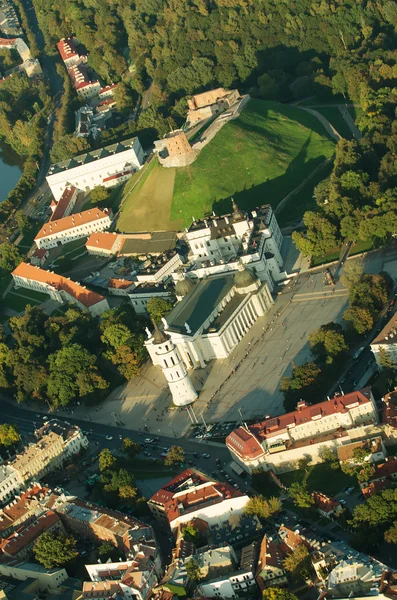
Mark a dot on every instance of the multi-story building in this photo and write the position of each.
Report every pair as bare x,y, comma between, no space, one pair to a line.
48,580
213,316
149,246
107,166
21,509
191,494
10,483
68,49
353,577
208,104
373,449
220,244
64,230
386,341
385,474
278,442
270,571
136,577
59,288
95,522
325,505
39,257
174,150
65,205
19,545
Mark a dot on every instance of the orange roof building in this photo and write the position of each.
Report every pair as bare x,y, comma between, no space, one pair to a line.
283,439
270,570
65,204
72,227
61,289
20,544
191,494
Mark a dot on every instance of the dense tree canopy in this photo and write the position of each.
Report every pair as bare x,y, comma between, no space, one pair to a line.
55,549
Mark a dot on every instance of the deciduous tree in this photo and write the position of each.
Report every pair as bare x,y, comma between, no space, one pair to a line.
175,455
300,495
8,435
262,507
55,549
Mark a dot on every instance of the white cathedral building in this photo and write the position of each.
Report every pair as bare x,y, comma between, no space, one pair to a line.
208,322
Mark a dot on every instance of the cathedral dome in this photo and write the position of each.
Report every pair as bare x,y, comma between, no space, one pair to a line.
184,286
244,278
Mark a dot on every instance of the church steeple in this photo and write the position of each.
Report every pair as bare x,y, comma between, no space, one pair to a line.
237,214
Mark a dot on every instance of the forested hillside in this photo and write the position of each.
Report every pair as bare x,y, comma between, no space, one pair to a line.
274,49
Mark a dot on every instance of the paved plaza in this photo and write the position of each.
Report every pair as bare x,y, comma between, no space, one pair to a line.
246,384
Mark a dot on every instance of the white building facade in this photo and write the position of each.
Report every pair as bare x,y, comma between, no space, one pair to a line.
385,342
107,166
203,330
73,227
10,483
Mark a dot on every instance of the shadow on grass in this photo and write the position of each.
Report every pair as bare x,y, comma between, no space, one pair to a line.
279,187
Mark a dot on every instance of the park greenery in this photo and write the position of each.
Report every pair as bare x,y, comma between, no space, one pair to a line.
275,593
300,495
9,435
375,519
298,563
63,358
54,549
116,483
190,533
175,455
263,508
330,344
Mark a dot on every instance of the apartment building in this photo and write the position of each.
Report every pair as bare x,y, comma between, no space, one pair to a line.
278,442
89,520
20,509
384,476
136,578
270,571
219,244
386,341
353,577
48,580
73,227
59,288
106,166
68,49
10,483
190,495
19,545
65,205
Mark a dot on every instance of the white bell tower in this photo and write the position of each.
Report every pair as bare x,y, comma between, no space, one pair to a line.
181,387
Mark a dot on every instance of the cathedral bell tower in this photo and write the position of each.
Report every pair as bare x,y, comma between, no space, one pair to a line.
181,387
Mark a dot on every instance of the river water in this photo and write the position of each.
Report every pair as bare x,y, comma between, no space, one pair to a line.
10,170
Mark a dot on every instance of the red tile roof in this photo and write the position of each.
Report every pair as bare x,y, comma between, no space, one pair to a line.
26,535
243,442
119,284
58,282
389,413
103,240
107,88
63,203
66,48
82,218
190,492
40,252
117,175
324,503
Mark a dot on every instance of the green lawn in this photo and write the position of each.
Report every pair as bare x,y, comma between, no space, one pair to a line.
18,299
27,240
258,158
113,202
303,200
334,254
320,478
333,115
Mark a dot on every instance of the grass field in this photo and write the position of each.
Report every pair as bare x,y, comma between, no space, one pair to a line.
303,200
146,207
18,299
320,478
258,158
333,115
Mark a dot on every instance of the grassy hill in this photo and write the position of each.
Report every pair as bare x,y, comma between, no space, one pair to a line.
258,158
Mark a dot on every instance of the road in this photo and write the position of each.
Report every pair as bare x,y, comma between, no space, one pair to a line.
27,421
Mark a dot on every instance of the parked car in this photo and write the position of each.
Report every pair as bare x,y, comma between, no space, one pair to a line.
149,440
206,455
349,491
109,437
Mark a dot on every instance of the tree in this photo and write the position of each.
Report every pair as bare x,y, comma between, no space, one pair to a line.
385,360
327,454
275,593
55,549
99,194
106,460
298,563
193,570
328,343
190,533
175,454
130,447
8,435
304,462
300,495
158,308
352,273
391,534
73,374
106,550
120,481
361,318
22,222
302,376
10,256
263,508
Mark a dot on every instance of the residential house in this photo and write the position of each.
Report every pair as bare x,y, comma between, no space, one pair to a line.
325,505
19,545
270,571
386,341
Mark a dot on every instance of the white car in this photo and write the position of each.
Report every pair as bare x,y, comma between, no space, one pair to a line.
109,437
206,455
149,440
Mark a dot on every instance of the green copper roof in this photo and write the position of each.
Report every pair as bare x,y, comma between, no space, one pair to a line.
195,308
